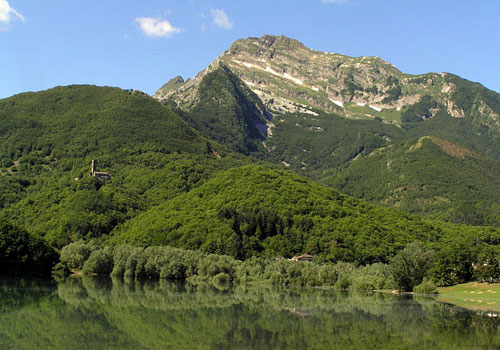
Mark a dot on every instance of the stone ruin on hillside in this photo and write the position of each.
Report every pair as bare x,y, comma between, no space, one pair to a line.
98,174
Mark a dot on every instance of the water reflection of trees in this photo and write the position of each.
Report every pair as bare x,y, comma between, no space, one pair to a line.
18,292
266,317
102,313
42,320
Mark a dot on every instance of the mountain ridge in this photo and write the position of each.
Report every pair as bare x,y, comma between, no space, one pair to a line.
169,185
324,110
289,77
456,184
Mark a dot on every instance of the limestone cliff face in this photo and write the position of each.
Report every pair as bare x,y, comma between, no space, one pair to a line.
289,77
285,73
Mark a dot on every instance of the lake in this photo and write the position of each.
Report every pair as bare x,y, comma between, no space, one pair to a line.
85,313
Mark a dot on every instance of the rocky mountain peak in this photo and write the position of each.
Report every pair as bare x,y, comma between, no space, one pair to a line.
275,42
289,77
172,85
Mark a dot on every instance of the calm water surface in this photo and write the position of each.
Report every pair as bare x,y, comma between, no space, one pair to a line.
104,314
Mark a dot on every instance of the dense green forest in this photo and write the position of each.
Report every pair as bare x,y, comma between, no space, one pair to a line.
49,139
328,147
171,186
228,112
455,184
313,144
253,210
21,252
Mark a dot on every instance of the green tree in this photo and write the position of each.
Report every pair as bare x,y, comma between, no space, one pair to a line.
23,252
100,262
453,262
487,267
410,265
75,254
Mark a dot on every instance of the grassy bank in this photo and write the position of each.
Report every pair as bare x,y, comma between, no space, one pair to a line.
472,296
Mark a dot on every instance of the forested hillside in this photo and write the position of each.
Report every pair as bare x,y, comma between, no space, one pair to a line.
166,184
254,210
228,112
428,176
21,252
325,111
49,138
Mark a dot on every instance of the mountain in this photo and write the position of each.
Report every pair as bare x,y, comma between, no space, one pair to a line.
155,180
225,110
325,110
289,77
253,210
456,184
49,138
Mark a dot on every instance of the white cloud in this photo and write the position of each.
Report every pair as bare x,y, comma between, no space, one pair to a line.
7,14
221,19
154,27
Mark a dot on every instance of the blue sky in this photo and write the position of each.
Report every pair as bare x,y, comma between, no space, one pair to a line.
142,44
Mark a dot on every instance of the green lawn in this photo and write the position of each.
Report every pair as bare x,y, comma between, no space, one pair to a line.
472,295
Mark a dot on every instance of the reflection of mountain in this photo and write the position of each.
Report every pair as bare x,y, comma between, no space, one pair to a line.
96,314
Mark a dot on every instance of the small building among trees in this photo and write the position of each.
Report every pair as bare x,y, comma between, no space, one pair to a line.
303,257
98,174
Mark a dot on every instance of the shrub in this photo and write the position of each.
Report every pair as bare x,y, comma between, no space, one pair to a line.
140,266
174,270
120,257
363,284
221,279
344,273
155,259
309,274
371,277
410,265
328,275
426,287
390,283
60,271
191,260
251,269
75,254
343,283
131,264
283,272
100,262
212,265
